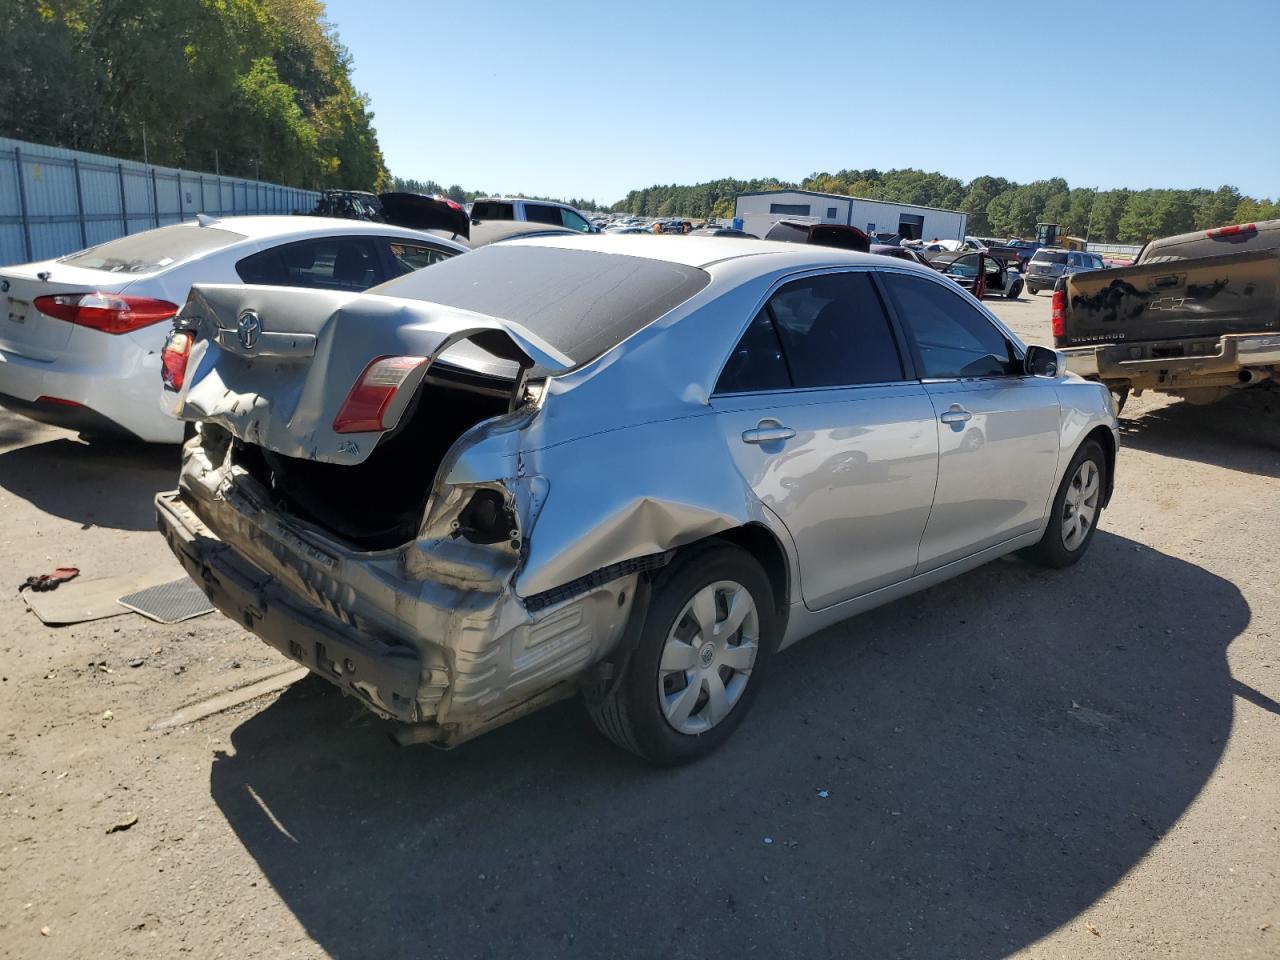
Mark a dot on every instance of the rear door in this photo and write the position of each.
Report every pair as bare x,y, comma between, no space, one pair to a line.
997,429
819,410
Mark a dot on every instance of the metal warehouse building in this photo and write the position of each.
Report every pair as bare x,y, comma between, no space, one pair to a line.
762,209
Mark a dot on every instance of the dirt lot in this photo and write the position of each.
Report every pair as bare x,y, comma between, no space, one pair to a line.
1073,764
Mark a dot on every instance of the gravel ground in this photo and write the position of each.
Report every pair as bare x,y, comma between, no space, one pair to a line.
1016,763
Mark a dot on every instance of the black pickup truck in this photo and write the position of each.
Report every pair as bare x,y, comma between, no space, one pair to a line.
1196,316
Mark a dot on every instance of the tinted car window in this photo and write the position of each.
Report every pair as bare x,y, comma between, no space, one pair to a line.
153,249
1041,256
490,210
580,301
756,362
328,263
407,256
953,337
541,213
834,331
966,267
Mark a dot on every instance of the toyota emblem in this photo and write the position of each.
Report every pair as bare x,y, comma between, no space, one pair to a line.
248,329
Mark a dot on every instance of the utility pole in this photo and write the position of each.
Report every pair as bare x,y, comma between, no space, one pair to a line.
1089,228
145,159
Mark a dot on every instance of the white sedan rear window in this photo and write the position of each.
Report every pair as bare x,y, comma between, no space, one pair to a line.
153,250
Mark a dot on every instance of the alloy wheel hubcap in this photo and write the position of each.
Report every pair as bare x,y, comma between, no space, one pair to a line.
707,659
1080,506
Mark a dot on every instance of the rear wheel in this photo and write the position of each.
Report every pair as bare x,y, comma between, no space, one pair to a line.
1032,290
1075,511
699,661
1015,291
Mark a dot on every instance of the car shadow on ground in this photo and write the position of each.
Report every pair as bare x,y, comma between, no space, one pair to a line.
957,774
104,483
1241,432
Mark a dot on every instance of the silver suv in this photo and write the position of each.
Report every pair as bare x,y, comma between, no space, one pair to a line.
535,211
1050,263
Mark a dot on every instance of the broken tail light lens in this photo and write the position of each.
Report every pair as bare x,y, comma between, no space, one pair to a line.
375,388
173,361
106,312
1059,316
1231,231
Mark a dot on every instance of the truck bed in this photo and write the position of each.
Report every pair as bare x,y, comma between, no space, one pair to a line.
1175,299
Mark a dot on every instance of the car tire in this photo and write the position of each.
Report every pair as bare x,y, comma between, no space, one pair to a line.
1079,499
661,709
1015,291
1032,290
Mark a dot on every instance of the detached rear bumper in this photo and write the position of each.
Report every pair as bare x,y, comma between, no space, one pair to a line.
386,676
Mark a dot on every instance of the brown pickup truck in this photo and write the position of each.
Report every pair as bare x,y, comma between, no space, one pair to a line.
1196,316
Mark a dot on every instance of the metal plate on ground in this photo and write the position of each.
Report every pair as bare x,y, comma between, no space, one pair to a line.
169,602
80,601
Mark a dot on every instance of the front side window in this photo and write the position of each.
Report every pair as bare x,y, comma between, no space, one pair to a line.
955,340
828,331
408,255
573,220
965,267
327,263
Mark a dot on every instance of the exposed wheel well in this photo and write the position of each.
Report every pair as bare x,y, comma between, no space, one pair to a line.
759,541
1107,441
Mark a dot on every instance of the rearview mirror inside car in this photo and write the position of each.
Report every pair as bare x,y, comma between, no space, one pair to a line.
1040,362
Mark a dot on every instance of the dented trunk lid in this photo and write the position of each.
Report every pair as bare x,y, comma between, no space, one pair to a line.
273,365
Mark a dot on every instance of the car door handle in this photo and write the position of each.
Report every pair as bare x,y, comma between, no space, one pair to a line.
767,431
957,414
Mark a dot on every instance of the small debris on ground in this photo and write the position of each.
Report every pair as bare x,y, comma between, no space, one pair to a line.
108,715
823,794
1092,929
44,931
768,839
124,824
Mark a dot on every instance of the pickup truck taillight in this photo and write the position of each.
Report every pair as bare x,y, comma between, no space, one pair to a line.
375,388
1059,315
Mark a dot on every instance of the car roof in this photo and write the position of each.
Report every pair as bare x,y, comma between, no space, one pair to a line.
285,226
704,251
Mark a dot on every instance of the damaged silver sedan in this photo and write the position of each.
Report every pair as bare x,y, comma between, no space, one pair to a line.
627,468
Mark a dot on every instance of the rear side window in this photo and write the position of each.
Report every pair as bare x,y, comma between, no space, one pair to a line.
574,221
756,363
954,339
824,331
407,256
153,249
540,213
327,263
492,210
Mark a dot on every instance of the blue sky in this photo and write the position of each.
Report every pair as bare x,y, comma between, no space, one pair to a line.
594,99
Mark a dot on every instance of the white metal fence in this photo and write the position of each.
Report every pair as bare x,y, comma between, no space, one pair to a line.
54,201
1115,249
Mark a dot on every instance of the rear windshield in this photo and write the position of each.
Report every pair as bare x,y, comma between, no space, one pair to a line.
1043,257
581,302
153,249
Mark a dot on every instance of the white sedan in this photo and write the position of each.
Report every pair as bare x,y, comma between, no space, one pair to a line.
81,337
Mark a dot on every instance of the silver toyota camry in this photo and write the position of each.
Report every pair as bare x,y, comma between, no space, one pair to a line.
626,468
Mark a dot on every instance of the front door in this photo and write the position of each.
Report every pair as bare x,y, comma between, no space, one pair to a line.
815,408
997,428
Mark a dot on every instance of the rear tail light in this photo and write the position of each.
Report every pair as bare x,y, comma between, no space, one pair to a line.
1059,315
376,387
173,362
1231,231
106,312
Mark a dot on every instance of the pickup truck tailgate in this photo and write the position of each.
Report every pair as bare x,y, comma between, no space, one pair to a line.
1204,297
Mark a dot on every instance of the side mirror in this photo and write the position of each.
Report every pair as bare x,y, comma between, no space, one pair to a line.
1040,362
